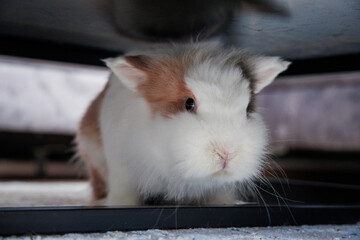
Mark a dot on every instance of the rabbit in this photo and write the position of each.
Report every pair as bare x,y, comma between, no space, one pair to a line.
177,121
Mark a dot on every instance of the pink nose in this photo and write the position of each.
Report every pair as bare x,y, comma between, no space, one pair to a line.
224,157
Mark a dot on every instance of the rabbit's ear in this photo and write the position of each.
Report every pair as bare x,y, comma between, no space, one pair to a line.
129,69
265,69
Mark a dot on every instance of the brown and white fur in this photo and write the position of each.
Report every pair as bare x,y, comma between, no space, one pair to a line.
139,140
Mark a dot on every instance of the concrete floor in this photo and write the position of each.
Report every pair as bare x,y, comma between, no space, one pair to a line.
264,233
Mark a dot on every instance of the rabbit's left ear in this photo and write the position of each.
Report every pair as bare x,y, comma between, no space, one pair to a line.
129,69
265,69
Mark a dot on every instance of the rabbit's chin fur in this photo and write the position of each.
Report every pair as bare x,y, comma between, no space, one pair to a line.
187,157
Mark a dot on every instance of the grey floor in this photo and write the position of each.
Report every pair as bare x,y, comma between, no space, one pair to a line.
281,233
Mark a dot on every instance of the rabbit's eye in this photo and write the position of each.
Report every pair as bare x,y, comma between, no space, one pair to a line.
190,104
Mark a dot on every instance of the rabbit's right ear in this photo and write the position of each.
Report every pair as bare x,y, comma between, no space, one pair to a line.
129,69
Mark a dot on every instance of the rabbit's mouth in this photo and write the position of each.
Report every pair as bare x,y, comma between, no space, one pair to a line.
222,173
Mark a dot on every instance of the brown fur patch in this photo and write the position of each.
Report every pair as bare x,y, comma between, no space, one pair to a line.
89,124
90,130
98,184
165,89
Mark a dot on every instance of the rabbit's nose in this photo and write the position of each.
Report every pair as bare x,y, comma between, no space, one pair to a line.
224,157
223,153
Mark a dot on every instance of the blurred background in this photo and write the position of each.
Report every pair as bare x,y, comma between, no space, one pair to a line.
50,69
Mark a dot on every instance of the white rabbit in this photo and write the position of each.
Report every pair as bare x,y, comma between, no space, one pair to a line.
177,121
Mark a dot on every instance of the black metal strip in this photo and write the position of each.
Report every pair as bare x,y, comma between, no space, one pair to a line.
63,52
339,63
58,220
53,51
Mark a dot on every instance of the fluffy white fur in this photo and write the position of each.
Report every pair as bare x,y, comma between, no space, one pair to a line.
176,157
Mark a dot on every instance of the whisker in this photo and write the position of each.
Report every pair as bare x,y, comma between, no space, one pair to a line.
276,193
279,168
273,173
281,184
263,201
